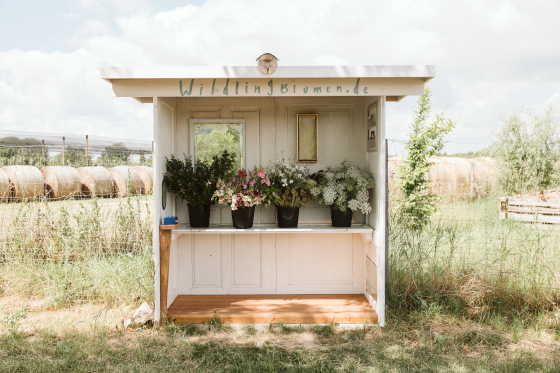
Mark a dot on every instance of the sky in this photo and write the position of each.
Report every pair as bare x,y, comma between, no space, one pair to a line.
491,57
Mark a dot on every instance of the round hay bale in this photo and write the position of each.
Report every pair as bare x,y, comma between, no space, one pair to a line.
25,181
61,182
125,180
451,176
485,176
96,181
146,175
4,186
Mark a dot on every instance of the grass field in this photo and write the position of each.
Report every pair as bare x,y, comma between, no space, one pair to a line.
470,293
84,339
66,252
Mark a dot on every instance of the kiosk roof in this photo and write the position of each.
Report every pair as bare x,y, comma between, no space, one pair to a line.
425,72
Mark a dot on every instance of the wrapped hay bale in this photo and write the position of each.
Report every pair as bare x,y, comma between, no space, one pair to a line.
146,175
61,182
4,186
96,181
25,181
125,180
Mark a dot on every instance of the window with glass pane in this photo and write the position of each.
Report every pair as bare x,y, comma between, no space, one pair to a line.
211,139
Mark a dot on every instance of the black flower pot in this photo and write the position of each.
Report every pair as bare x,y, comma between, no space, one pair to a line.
341,218
199,216
287,216
243,217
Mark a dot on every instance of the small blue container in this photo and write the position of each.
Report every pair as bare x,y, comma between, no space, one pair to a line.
170,220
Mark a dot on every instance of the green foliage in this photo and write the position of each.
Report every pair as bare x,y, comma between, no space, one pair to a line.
16,151
212,140
527,151
290,197
196,183
425,140
469,263
326,330
11,322
73,156
468,155
70,251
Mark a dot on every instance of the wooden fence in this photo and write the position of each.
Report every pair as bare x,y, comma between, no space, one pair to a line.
530,210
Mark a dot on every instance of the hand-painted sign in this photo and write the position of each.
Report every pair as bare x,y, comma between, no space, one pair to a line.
268,87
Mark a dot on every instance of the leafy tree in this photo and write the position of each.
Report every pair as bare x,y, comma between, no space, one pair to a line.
114,154
527,151
416,205
73,156
214,141
16,151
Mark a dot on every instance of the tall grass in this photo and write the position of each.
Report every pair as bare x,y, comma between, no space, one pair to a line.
70,251
466,261
470,263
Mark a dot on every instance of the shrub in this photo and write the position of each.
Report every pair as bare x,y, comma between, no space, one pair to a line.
425,140
195,182
527,151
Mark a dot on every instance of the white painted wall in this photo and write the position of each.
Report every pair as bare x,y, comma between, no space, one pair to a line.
283,263
376,253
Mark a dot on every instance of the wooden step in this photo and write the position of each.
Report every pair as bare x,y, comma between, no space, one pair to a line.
263,308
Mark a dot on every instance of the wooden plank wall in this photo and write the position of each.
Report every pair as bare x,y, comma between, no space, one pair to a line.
269,264
270,132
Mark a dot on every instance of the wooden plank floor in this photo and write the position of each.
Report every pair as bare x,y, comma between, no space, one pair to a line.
268,308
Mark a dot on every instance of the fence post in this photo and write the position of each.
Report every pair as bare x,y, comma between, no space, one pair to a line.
472,179
22,155
87,162
43,150
63,155
503,208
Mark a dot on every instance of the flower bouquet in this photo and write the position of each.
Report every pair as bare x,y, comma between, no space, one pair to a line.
243,192
290,189
193,182
345,189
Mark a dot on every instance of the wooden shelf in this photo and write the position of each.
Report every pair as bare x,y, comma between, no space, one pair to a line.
168,227
273,229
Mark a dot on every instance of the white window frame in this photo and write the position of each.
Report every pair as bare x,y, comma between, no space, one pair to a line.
192,123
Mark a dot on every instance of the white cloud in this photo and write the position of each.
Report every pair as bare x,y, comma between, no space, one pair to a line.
71,15
490,56
94,27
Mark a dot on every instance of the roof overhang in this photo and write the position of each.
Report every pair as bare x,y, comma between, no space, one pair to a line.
144,83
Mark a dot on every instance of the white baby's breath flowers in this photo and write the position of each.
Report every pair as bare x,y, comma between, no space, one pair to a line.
345,186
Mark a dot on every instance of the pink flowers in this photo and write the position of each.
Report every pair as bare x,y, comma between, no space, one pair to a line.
247,189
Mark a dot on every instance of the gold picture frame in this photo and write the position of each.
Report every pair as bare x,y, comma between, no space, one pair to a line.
307,138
